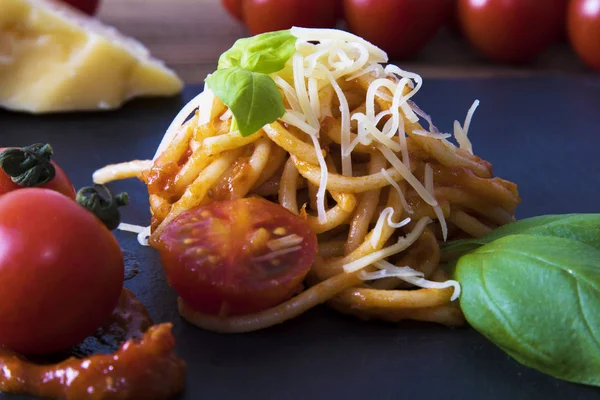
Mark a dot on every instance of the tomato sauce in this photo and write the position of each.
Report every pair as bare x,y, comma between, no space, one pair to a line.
144,366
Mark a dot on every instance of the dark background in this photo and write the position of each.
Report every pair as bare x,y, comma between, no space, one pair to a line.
543,133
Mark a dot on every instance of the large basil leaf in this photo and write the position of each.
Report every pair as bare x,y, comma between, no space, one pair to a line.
265,53
253,98
537,298
584,228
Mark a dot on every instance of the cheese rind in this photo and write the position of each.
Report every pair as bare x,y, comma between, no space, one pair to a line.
55,59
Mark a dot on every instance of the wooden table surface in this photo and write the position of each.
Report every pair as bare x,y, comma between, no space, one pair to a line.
191,34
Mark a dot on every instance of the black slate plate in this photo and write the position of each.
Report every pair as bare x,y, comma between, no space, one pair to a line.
543,133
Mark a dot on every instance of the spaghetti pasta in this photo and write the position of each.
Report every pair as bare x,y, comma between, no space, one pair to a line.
401,188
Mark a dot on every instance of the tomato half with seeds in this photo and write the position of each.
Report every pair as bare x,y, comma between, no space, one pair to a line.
237,257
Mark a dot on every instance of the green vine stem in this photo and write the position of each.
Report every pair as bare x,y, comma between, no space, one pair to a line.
100,201
28,166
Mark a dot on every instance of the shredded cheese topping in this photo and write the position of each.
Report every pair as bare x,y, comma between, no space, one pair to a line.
274,254
401,245
386,216
460,133
142,231
407,274
284,242
437,209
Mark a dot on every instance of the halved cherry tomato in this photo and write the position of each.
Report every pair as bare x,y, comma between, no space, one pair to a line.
61,271
584,30
220,257
273,15
399,27
511,31
60,183
234,8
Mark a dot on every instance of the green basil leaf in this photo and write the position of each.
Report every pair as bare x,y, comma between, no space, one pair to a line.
537,298
584,228
253,98
265,53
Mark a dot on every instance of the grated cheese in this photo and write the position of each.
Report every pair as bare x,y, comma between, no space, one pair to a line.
435,135
142,231
407,274
408,175
460,133
345,128
401,245
322,182
275,254
319,35
386,216
301,91
398,272
288,92
437,209
284,242
297,120
395,185
313,95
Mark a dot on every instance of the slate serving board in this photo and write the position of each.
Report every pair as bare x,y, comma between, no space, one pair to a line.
543,133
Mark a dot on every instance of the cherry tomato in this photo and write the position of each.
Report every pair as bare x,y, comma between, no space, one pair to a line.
60,183
399,27
560,34
89,7
234,8
452,17
339,9
217,257
61,271
510,31
584,30
273,15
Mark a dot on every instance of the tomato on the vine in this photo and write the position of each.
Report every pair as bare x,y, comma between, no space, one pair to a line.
89,7
452,16
584,30
236,257
31,167
511,31
234,8
399,27
273,15
61,271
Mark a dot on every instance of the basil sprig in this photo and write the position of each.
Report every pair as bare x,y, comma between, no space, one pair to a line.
242,81
533,288
538,299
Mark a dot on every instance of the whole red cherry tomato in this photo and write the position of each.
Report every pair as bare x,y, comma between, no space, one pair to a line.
273,15
61,271
399,27
234,8
452,16
584,30
511,31
561,21
31,166
87,6
237,256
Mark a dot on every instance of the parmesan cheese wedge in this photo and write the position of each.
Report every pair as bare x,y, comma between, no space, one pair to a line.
55,59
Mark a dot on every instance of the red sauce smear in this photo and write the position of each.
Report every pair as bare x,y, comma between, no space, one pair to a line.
144,366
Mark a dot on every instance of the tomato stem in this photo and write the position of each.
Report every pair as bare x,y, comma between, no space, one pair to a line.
28,166
100,201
